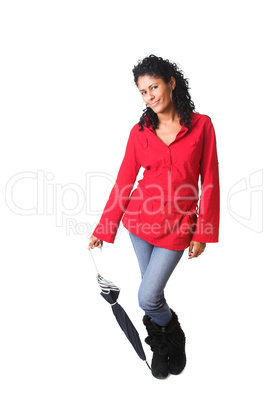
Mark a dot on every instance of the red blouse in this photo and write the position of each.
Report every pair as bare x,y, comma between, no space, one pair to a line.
164,208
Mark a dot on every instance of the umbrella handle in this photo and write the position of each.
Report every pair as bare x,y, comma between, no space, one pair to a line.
98,274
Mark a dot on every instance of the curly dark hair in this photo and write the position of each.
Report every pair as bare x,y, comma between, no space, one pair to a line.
157,67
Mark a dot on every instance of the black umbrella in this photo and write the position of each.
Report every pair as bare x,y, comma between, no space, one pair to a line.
110,293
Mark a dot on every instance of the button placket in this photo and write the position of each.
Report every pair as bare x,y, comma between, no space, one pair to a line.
169,159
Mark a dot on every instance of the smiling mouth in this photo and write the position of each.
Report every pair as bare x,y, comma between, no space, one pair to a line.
153,104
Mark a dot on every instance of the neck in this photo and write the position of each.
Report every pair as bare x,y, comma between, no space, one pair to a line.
169,116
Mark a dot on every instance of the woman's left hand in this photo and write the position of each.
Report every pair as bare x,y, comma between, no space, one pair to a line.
198,249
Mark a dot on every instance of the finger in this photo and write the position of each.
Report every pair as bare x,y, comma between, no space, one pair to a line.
195,252
194,255
191,248
191,251
98,243
92,244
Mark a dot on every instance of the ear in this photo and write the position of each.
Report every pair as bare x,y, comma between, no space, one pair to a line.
172,82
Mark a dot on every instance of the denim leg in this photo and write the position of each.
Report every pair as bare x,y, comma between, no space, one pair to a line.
143,251
157,265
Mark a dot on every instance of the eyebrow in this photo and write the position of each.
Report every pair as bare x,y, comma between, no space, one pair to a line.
141,90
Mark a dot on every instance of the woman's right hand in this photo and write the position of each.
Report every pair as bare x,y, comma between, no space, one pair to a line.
95,242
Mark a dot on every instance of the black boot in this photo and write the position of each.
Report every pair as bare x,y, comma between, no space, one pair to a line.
176,345
158,342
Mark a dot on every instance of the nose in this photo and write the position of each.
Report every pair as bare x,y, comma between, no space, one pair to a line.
150,96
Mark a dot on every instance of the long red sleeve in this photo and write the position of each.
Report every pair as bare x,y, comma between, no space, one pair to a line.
207,225
119,197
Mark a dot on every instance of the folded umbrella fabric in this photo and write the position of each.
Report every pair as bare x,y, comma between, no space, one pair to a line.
110,293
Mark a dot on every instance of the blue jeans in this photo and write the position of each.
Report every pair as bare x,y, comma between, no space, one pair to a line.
156,266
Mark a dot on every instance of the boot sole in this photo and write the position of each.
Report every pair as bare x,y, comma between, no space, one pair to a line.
160,376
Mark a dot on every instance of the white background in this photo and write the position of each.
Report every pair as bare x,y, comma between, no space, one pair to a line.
68,102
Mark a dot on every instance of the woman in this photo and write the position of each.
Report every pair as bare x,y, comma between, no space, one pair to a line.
174,145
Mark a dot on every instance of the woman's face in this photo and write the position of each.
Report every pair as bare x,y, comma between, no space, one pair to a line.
155,92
